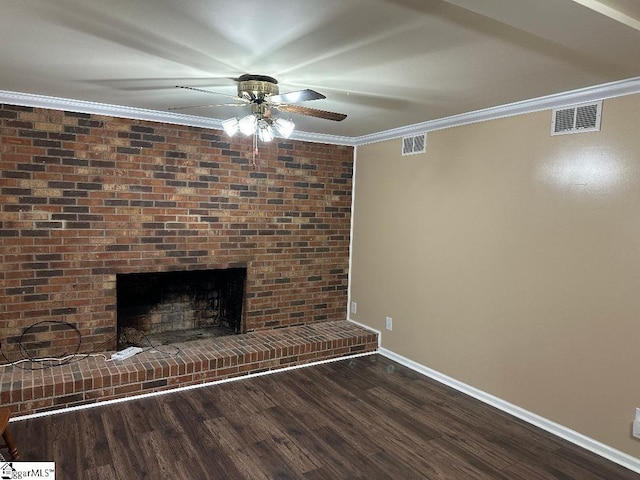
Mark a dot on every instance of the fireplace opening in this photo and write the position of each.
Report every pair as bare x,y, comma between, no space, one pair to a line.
174,307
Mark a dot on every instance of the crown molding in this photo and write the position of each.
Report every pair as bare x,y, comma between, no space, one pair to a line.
321,138
81,106
583,95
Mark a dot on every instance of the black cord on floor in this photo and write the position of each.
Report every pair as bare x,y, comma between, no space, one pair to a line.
68,356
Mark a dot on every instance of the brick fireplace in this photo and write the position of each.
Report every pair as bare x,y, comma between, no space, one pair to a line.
85,199
178,306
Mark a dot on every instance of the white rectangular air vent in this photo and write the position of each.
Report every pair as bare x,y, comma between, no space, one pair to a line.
576,119
414,144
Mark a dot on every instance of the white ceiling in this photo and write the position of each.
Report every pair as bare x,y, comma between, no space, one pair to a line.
385,63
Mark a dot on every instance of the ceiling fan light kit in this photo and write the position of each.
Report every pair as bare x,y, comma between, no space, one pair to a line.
262,94
264,126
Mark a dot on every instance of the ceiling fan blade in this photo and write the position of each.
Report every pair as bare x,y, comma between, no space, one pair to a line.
209,105
311,112
214,93
297,96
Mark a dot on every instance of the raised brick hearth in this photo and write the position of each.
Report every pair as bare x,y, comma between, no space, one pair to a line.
90,380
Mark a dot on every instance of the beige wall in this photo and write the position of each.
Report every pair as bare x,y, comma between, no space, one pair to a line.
510,260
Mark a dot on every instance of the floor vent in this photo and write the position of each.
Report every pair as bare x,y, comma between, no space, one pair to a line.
414,144
576,119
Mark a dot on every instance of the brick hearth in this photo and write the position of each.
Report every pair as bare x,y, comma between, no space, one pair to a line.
90,380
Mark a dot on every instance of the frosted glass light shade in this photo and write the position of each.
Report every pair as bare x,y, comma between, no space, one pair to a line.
265,132
284,127
248,124
230,126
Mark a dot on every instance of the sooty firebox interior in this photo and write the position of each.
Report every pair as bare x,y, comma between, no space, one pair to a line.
173,307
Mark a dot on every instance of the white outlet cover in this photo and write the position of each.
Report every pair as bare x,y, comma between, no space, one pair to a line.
389,323
354,307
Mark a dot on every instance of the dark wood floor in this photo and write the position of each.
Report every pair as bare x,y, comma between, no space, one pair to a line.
366,418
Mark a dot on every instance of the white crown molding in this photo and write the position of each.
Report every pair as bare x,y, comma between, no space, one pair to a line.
81,106
621,458
583,95
321,138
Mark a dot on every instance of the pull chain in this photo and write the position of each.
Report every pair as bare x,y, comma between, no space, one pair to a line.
255,148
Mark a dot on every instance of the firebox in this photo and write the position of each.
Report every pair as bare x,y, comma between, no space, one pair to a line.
178,306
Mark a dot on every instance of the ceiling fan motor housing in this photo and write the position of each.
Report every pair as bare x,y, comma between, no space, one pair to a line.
257,87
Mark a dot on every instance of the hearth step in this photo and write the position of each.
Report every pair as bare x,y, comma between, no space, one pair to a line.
90,380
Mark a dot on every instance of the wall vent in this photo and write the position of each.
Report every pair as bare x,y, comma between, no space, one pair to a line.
414,144
576,119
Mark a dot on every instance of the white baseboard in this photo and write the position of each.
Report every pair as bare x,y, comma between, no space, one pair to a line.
621,458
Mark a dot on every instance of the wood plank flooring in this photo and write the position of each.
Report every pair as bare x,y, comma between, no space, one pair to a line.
365,418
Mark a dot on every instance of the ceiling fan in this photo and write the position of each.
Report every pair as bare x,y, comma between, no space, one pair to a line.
262,95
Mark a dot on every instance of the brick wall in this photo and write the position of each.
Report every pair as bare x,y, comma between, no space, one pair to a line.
83,197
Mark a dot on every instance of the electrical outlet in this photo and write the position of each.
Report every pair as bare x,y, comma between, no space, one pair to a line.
354,307
389,323
636,424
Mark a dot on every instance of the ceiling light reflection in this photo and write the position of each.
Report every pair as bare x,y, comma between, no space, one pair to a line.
591,168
